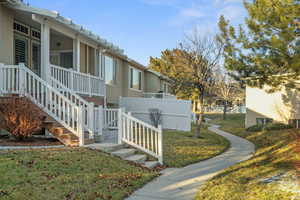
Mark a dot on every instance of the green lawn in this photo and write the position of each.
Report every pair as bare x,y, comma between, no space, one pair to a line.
182,148
68,174
275,154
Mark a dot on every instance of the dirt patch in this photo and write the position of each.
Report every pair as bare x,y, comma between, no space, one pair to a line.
5,140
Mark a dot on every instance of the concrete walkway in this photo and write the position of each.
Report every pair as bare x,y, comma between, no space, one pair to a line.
183,183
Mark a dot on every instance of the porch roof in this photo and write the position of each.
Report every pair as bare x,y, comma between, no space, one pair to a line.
110,47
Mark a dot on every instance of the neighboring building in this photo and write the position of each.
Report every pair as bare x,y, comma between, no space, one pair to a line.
263,107
156,83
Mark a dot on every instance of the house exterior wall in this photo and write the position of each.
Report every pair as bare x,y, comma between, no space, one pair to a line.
128,92
279,106
6,36
64,44
114,91
153,83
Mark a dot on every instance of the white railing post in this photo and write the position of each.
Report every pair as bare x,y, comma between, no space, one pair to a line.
71,80
80,130
101,119
22,79
91,109
90,86
120,125
160,144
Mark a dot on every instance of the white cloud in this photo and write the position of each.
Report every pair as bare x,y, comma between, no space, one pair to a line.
191,12
233,13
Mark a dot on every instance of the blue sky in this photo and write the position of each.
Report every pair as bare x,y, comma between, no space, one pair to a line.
144,28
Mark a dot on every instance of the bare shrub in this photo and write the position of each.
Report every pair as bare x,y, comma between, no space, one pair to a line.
20,117
155,116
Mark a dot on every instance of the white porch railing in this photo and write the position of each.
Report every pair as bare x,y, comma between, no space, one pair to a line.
159,95
141,135
90,117
111,118
21,80
79,82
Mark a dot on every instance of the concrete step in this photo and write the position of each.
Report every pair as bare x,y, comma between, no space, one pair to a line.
138,158
88,141
106,147
124,153
151,164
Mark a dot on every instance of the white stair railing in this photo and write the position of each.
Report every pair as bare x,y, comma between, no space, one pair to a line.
89,109
79,82
141,135
21,80
111,118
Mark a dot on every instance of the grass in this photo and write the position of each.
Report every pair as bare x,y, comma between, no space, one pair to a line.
182,148
275,154
68,174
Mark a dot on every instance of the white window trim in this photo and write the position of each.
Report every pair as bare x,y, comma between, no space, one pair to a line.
114,71
19,32
36,30
129,79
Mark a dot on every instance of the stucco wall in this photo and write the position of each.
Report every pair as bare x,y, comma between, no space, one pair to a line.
279,106
153,84
114,91
127,92
58,43
6,36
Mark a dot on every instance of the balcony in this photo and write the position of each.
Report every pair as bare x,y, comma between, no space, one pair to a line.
81,83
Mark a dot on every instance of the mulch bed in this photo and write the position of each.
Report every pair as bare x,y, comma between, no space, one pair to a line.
35,141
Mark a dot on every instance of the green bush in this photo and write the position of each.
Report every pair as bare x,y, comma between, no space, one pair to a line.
255,128
277,126
269,127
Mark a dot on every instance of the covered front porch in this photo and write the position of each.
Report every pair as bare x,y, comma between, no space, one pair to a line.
58,54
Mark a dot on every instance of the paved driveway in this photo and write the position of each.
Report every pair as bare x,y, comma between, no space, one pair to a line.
183,183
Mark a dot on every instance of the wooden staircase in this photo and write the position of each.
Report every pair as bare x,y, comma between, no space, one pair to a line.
64,135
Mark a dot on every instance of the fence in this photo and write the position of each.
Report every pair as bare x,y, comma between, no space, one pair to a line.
176,114
141,136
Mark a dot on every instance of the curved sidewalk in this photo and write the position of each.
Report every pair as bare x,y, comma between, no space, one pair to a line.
183,183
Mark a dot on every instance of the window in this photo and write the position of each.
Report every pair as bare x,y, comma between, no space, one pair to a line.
35,34
295,123
110,70
21,50
135,79
263,121
21,28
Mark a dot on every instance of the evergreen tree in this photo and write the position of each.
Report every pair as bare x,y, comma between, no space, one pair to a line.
266,51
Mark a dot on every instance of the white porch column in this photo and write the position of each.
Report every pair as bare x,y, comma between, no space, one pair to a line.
76,48
45,51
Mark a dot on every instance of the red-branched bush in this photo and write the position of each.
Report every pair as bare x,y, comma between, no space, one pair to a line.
297,150
20,117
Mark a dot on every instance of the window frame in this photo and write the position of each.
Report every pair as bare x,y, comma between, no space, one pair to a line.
114,70
130,84
265,121
20,32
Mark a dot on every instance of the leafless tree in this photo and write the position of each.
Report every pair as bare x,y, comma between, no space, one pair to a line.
227,90
200,56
